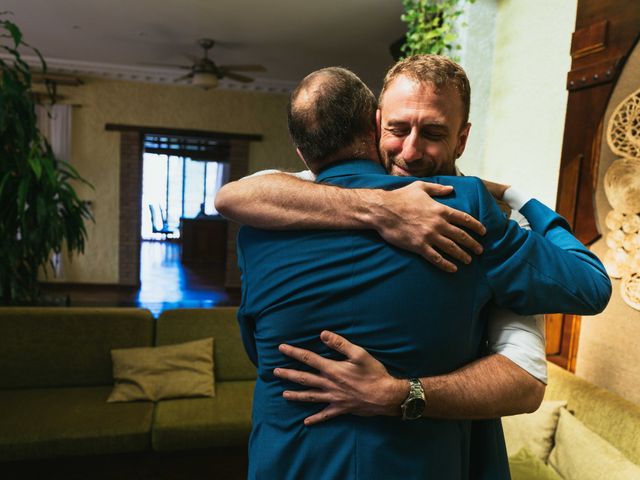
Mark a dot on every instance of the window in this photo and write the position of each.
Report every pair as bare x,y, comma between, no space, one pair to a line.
181,177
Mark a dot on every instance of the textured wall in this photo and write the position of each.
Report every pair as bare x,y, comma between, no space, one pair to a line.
477,42
526,108
609,352
95,152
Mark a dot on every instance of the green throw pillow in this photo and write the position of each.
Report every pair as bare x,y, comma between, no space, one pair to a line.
580,454
524,465
533,431
170,371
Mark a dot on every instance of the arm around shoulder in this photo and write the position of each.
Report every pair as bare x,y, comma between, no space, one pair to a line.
407,217
545,271
281,201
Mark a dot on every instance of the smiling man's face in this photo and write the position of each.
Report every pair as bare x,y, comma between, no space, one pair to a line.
421,129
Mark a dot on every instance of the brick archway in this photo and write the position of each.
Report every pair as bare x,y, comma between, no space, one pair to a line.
130,199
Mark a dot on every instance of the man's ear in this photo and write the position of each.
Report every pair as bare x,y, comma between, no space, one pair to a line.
378,123
463,136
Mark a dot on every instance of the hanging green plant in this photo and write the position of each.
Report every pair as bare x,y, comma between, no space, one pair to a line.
40,211
430,26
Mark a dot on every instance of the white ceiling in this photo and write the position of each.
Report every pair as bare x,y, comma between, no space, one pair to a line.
289,37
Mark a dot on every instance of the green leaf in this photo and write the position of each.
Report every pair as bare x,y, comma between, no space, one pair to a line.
430,25
15,32
4,181
35,164
40,211
23,188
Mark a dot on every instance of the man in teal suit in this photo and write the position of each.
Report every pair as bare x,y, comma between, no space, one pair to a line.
414,319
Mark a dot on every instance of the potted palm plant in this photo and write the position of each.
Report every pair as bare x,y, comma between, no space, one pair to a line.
40,212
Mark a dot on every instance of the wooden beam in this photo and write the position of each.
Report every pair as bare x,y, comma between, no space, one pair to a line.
56,78
115,127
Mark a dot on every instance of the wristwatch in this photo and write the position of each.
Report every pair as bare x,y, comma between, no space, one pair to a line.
415,402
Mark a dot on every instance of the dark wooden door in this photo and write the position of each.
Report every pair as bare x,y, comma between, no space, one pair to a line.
606,33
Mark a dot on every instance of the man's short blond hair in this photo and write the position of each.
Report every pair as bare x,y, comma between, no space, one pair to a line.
439,71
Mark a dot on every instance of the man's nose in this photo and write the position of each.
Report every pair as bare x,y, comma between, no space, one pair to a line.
412,148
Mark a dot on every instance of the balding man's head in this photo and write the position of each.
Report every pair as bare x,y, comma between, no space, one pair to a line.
331,114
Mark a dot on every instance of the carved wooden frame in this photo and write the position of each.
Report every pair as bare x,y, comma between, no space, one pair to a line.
606,33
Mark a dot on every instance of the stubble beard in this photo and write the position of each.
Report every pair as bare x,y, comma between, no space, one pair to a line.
396,168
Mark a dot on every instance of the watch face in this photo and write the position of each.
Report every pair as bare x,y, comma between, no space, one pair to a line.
414,408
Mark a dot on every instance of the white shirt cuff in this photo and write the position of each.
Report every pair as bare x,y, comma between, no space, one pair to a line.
515,199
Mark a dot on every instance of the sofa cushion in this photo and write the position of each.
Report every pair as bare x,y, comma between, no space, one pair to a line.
67,347
224,420
186,324
533,430
54,422
170,371
612,417
525,465
580,454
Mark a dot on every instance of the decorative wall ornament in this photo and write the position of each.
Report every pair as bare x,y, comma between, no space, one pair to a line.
622,185
622,188
623,131
630,290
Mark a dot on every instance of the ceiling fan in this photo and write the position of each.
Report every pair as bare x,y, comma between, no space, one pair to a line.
204,72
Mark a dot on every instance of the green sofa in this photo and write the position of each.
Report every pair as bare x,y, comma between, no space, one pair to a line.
224,420
581,431
56,374
612,417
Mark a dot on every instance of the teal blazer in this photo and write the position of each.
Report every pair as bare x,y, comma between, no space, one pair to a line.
417,320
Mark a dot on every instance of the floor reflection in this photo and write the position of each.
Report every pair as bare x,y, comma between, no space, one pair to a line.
165,283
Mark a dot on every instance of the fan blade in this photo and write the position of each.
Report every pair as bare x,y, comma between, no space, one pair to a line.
243,68
184,77
237,77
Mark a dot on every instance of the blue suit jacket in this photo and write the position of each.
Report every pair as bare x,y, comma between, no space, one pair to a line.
414,318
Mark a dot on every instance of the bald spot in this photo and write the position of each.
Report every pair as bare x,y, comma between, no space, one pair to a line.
313,86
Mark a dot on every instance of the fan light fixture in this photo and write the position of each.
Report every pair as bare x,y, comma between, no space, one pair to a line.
204,73
205,80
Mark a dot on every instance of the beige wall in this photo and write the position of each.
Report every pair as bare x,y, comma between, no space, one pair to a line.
518,113
477,42
95,152
516,53
609,351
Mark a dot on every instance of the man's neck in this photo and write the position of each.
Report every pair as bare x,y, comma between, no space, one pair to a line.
343,159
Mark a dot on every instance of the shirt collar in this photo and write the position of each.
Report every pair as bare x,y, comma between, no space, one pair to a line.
350,167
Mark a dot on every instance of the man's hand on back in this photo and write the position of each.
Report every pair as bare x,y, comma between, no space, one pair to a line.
359,385
489,387
496,189
410,219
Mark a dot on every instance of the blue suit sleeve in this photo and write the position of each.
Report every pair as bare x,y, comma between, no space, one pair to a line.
245,320
540,271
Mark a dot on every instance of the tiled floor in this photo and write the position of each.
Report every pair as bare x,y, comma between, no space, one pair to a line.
165,283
